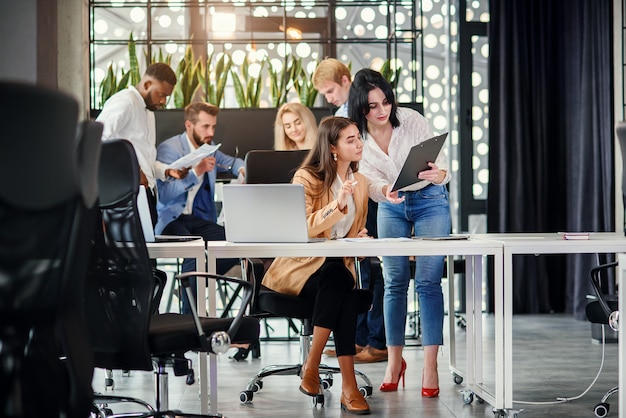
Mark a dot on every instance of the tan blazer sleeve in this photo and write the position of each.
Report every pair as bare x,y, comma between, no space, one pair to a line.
289,274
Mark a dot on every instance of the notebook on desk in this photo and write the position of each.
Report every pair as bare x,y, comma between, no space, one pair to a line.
265,213
146,222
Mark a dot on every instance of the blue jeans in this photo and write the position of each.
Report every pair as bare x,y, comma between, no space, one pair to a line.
426,212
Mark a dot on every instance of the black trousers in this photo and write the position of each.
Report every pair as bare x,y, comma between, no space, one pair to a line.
209,231
335,304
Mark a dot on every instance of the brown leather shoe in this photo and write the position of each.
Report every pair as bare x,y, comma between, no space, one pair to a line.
332,353
310,384
356,405
371,355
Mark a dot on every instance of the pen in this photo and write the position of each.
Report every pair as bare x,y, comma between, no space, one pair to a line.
354,183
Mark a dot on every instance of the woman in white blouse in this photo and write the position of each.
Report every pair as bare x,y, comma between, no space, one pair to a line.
423,209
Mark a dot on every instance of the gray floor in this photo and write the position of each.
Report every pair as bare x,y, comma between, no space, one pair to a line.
554,357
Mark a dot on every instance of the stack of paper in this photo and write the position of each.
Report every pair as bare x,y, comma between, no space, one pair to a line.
575,235
194,157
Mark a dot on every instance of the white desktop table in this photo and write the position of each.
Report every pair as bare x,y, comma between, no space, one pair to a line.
473,249
538,244
193,249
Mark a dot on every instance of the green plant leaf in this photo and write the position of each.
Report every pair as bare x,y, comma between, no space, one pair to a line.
135,77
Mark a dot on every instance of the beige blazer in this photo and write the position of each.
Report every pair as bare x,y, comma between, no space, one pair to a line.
289,274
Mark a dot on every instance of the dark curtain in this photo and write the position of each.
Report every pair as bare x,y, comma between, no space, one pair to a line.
551,142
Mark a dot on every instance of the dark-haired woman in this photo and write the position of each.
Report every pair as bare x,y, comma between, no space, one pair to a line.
423,209
336,206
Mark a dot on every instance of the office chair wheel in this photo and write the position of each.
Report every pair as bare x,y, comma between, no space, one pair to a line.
257,386
601,410
317,400
245,396
327,382
457,379
468,397
366,391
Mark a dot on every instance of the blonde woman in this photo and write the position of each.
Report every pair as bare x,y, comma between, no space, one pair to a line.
295,128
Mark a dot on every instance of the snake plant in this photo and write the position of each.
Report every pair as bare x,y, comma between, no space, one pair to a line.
188,82
304,86
247,87
214,89
110,84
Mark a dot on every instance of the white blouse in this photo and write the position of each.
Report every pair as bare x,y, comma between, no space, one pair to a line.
341,228
382,169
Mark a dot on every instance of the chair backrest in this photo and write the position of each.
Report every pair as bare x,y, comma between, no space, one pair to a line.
42,223
120,284
269,166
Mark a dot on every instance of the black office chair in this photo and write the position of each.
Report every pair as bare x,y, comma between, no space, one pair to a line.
265,304
269,166
43,216
604,309
123,291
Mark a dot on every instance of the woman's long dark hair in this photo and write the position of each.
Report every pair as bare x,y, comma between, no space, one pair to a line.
366,80
319,161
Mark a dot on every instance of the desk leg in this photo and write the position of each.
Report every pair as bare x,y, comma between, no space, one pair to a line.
621,276
212,268
503,284
473,319
202,357
451,319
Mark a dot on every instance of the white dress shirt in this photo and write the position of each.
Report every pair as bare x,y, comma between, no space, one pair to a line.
382,169
125,116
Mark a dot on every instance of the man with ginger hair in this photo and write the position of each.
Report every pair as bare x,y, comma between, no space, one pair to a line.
332,79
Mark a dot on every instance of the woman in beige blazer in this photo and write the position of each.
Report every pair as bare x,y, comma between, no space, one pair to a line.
336,205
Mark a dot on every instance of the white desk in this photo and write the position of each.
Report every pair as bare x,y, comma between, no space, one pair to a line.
473,249
536,244
193,249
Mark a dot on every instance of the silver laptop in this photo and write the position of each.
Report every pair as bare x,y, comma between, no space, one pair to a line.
265,213
146,222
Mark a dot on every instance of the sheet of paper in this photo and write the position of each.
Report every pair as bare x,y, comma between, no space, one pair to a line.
194,157
373,239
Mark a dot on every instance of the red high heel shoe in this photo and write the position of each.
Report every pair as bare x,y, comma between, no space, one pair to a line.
429,393
392,387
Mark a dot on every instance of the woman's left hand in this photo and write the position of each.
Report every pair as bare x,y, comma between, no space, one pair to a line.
433,175
363,233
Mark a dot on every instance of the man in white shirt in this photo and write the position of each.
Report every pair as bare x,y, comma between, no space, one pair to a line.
129,114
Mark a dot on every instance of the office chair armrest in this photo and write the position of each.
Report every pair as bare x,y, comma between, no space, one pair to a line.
594,276
245,302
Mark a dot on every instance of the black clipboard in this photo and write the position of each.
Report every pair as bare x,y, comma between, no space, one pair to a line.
417,160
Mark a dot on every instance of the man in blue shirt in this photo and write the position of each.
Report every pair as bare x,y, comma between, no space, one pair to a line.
187,206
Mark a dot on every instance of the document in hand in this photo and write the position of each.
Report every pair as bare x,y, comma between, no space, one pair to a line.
417,160
194,157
